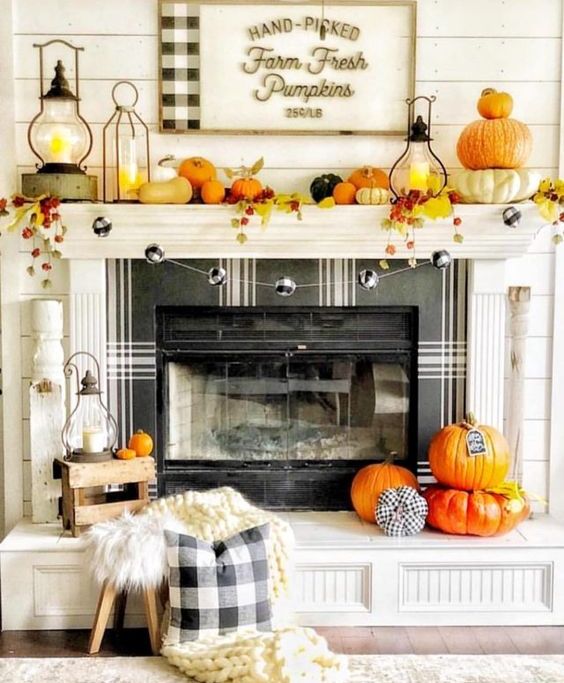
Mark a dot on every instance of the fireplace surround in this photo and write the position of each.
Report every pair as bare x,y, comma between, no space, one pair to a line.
285,404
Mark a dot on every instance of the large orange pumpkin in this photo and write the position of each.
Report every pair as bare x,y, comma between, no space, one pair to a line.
452,465
197,170
369,176
478,513
494,143
370,481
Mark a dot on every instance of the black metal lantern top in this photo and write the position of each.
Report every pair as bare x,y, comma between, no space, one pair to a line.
90,432
418,159
58,135
130,148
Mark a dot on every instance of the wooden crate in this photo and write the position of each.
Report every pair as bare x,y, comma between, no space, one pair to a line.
85,500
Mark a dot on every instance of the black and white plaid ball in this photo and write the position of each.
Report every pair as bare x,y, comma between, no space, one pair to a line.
401,511
154,253
512,216
441,259
102,226
217,276
368,279
285,286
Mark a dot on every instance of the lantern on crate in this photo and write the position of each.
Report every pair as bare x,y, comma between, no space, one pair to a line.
126,155
90,432
60,138
418,168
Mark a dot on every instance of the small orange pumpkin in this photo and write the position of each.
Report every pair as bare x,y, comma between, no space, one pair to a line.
477,513
126,454
344,193
495,105
246,188
452,465
197,171
141,443
212,192
370,481
369,176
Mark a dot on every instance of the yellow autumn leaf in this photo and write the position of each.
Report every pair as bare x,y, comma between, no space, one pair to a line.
437,207
544,185
548,210
434,183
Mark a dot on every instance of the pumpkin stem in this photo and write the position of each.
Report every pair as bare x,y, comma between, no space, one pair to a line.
469,421
390,458
488,91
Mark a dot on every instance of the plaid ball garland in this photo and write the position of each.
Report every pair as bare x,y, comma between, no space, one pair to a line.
217,588
401,511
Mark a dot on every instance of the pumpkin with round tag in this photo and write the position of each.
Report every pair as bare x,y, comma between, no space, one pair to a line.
469,456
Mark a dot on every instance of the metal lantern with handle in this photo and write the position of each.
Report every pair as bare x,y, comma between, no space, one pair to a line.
418,168
90,432
126,154
60,137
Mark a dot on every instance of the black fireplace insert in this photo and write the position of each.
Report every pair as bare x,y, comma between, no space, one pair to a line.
285,404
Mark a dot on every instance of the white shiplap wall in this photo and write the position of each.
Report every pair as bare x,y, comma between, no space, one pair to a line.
462,47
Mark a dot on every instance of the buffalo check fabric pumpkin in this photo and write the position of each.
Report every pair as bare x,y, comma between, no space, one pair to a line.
401,511
217,588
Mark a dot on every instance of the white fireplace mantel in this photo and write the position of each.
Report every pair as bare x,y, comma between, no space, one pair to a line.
342,232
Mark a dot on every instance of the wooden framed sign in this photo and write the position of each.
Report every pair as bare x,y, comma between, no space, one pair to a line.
344,67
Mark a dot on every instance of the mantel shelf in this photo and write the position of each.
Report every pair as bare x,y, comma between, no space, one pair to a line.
342,232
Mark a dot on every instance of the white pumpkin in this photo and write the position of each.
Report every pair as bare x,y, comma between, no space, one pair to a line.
372,195
495,185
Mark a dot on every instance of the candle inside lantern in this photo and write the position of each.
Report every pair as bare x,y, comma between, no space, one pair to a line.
419,175
129,177
93,439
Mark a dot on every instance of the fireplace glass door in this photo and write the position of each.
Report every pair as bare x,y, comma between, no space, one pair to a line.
288,407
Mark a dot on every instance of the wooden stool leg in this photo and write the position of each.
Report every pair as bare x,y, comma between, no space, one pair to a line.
119,611
150,599
105,603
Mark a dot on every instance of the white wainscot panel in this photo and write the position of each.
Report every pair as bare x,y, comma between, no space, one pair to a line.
60,590
333,588
476,587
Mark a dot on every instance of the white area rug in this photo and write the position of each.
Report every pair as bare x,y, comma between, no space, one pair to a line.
363,669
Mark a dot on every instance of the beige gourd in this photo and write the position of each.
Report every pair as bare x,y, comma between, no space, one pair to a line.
495,185
173,191
372,195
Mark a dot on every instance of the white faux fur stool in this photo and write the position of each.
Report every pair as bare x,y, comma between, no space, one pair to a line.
129,553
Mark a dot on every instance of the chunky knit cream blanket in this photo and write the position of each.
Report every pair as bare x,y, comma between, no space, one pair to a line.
288,655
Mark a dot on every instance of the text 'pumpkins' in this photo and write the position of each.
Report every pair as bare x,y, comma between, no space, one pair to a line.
452,464
370,481
496,141
477,513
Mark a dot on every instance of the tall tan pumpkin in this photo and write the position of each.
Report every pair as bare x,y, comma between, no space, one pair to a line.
370,481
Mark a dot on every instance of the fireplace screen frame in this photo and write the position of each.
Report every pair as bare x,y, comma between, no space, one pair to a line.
276,484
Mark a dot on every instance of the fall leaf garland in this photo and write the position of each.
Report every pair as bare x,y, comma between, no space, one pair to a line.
549,199
43,225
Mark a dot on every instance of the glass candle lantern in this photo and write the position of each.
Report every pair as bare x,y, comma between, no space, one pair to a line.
59,137
126,154
418,168
90,432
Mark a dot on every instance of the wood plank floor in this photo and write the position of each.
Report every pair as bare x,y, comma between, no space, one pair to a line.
392,640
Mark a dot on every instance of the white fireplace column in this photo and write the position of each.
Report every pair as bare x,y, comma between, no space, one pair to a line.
486,341
88,318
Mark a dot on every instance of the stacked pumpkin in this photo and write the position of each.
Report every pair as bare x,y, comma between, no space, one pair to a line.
470,462
494,150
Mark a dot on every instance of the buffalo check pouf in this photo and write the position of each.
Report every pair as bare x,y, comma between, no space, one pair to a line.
217,588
